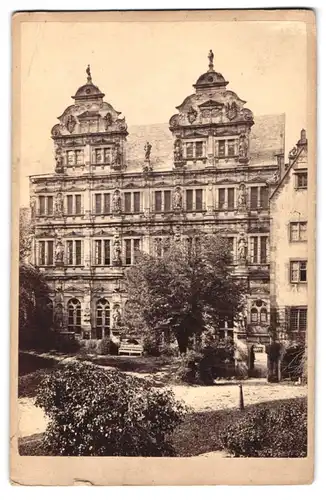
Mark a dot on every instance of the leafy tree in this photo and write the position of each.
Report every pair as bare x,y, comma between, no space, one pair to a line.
35,309
184,290
25,234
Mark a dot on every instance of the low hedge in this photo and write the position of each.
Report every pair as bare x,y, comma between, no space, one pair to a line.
277,429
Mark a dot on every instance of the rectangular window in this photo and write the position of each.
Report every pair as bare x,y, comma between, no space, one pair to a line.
167,201
231,147
254,198
298,231
69,204
78,253
230,198
221,148
199,199
302,180
221,199
78,204
199,149
70,253
128,252
136,249
158,201
127,202
189,149
50,253
137,201
98,156
107,203
254,249
263,249
98,252
42,205
71,157
298,271
107,155
298,319
42,253
98,203
79,157
264,195
189,195
50,205
106,252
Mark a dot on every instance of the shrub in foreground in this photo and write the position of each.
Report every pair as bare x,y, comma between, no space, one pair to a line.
276,429
96,412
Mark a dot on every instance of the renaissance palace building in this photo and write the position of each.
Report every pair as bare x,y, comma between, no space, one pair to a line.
112,192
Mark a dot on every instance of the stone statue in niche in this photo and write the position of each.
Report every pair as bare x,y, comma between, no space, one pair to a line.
243,146
242,197
59,251
116,201
58,160
58,316
242,250
116,317
147,149
108,121
177,199
117,156
117,251
33,207
59,204
178,155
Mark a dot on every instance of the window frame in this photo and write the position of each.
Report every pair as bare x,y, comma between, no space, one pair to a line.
299,225
300,263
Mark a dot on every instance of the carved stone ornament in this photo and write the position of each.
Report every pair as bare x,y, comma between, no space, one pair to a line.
177,199
178,154
243,147
71,123
58,161
231,110
293,153
56,130
33,207
116,201
192,115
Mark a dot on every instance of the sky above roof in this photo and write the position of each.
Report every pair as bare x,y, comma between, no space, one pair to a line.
146,69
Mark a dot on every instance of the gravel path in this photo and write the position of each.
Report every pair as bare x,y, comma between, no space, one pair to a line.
32,419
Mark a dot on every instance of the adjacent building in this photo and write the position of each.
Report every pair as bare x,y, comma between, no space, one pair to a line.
111,193
289,247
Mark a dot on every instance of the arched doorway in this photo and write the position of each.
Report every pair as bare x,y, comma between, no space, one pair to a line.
74,316
102,319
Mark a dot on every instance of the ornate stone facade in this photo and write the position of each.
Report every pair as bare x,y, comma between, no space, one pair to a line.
98,207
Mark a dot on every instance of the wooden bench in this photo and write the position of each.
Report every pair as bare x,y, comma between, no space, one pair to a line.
131,349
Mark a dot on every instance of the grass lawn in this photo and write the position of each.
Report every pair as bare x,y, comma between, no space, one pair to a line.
198,434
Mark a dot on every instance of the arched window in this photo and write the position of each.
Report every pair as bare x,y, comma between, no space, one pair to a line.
102,319
254,315
263,315
74,316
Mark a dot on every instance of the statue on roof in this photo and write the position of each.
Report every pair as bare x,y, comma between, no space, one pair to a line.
147,149
211,59
88,72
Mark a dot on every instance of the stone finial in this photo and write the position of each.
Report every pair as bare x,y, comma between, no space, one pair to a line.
88,72
303,138
211,60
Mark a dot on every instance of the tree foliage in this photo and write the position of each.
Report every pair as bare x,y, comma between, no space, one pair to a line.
96,412
183,290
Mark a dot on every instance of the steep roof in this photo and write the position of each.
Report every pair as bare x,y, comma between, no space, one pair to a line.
267,140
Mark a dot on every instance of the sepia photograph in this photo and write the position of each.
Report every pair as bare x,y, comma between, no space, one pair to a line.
164,171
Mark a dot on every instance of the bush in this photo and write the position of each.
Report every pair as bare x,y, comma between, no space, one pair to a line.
188,370
103,346
96,412
276,429
169,350
67,344
294,362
